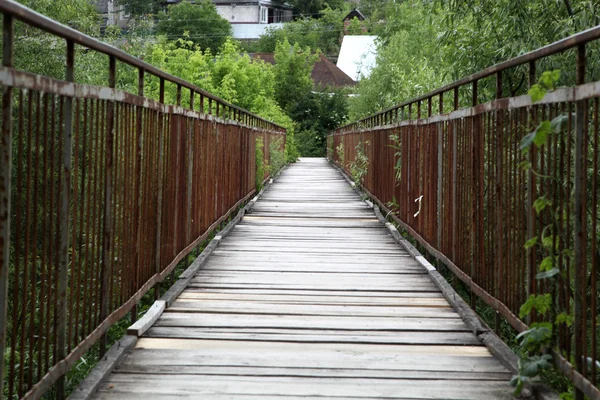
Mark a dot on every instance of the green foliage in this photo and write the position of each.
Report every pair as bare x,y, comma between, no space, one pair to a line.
276,154
341,155
139,7
316,114
541,203
319,34
359,167
397,146
407,62
293,68
541,303
314,8
546,83
199,22
261,167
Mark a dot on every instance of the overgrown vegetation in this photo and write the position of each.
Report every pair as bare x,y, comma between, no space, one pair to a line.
359,167
261,166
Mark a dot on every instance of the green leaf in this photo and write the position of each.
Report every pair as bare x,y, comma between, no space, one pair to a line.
536,364
541,303
536,338
531,242
564,318
547,264
537,93
560,122
548,274
541,203
526,141
542,132
548,242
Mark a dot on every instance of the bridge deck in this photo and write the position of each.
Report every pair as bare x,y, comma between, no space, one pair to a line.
310,297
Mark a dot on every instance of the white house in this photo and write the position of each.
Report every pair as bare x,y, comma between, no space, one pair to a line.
251,18
358,56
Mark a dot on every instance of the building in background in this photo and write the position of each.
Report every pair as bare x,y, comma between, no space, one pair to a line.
248,18
358,56
111,14
325,74
351,15
251,18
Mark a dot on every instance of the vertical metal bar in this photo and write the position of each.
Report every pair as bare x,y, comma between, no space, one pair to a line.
190,157
474,186
64,222
499,203
440,180
531,183
159,206
108,190
138,182
5,189
579,232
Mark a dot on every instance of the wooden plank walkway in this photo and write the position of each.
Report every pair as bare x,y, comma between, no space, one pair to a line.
309,297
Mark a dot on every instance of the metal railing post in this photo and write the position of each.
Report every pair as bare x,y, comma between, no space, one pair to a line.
108,190
580,218
63,271
159,203
5,189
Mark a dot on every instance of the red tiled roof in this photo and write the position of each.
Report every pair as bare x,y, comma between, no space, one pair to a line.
325,73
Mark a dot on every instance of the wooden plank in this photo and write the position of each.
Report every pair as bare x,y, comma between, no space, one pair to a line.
309,322
282,386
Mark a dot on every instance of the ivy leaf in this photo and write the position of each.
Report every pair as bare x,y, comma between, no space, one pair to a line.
531,242
541,203
548,274
526,141
548,242
542,132
564,318
541,303
536,364
547,264
537,93
560,122
536,338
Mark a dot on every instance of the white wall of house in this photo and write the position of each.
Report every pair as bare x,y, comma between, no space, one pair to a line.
252,31
239,14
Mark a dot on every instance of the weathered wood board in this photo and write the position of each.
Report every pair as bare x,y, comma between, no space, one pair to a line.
309,297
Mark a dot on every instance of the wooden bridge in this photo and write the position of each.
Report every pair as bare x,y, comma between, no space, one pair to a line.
111,197
310,296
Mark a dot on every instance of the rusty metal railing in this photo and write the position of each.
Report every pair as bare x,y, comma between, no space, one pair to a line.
102,194
476,210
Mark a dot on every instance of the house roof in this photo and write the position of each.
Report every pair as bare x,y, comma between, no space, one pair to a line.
355,14
358,56
325,73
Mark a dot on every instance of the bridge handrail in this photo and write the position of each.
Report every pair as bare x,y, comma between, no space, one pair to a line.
476,192
107,194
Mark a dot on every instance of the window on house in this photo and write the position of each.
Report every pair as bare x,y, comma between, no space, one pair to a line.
279,16
264,15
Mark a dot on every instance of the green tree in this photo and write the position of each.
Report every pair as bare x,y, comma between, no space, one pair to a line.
140,7
199,22
313,8
319,34
317,114
293,68
408,63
